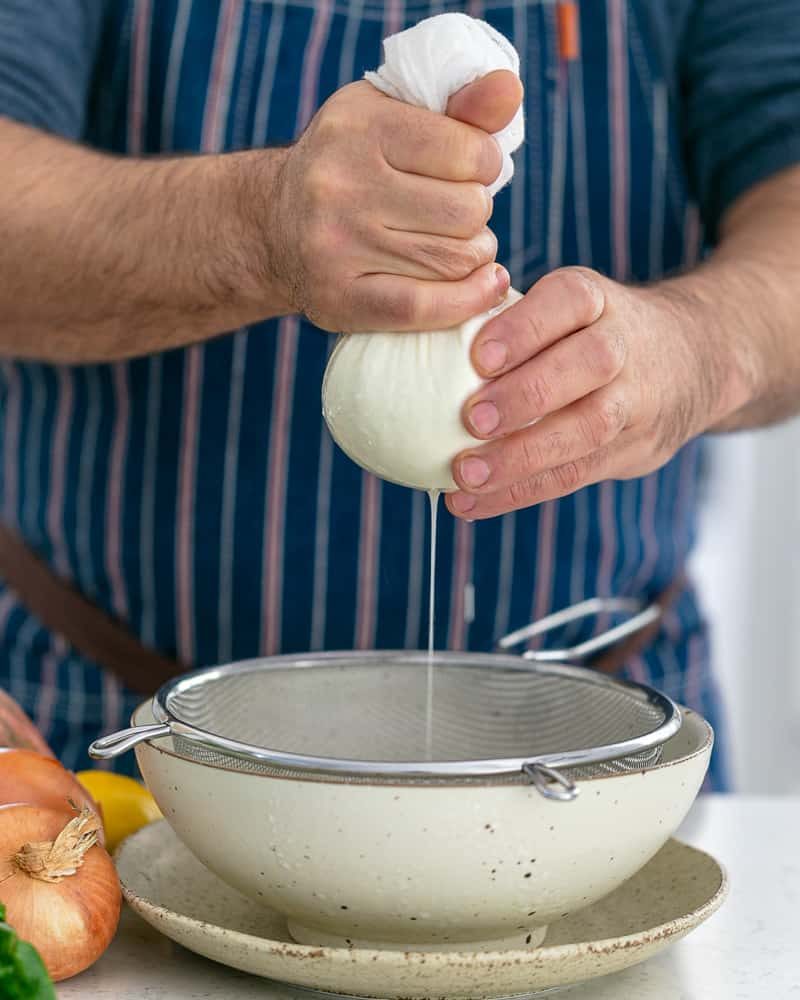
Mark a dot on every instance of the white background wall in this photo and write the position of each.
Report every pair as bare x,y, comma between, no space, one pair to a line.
748,566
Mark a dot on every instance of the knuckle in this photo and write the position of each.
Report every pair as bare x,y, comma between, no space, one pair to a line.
333,121
578,287
449,261
476,208
469,149
568,477
536,334
320,183
605,351
594,429
557,446
519,493
535,394
530,456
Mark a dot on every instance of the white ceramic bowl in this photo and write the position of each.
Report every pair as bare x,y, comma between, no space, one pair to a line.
474,865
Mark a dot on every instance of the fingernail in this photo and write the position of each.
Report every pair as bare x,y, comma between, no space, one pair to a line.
484,417
492,355
502,280
462,503
474,471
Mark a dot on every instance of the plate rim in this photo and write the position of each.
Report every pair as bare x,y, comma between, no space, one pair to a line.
662,933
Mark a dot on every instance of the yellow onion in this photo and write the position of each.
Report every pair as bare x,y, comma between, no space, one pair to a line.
59,886
27,776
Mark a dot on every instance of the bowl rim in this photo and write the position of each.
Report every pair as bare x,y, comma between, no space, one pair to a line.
704,745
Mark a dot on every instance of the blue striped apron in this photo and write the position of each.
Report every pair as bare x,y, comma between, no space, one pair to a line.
197,495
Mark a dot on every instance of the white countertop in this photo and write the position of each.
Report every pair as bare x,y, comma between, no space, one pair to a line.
749,950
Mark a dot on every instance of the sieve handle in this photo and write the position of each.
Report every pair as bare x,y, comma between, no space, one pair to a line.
118,743
550,783
641,614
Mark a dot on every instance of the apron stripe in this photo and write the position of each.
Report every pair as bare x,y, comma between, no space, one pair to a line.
177,49
246,87
462,574
219,89
692,236
184,555
58,470
659,178
114,512
580,176
648,533
280,420
263,106
147,513
228,514
49,689
12,438
322,541
34,487
140,56
416,563
505,575
619,138
86,476
545,566
369,558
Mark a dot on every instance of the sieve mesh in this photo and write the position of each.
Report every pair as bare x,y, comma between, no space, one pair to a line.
373,709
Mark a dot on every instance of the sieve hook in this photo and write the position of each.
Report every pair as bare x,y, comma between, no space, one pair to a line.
118,743
641,615
550,783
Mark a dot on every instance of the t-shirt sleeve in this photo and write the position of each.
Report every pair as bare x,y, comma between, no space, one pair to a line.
47,54
741,97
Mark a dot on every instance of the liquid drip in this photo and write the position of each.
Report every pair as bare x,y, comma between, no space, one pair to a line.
433,495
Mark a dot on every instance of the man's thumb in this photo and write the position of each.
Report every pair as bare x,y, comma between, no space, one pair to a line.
489,103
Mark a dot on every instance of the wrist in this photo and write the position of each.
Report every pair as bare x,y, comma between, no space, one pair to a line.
248,265
716,356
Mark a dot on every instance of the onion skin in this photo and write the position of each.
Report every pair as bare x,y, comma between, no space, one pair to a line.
72,922
27,776
17,730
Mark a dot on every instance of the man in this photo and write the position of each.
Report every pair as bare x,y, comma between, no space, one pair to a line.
163,447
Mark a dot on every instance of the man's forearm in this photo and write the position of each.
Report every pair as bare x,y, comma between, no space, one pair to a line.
103,258
743,305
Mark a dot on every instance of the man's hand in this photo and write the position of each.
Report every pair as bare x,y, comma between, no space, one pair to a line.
380,210
590,380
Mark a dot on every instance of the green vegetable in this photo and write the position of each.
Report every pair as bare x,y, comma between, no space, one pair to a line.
22,973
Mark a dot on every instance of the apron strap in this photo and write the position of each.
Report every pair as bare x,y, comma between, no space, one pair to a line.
65,611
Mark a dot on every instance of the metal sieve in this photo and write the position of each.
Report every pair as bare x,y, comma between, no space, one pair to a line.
361,716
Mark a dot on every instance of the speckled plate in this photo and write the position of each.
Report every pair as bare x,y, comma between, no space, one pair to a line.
674,893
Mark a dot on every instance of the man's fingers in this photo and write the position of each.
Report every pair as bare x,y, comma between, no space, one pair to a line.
489,103
550,485
386,302
558,304
417,255
416,141
565,437
441,208
569,370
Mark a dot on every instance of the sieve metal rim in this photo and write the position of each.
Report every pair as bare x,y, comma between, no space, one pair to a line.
169,724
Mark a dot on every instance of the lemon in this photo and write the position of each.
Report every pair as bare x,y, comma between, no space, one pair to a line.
126,804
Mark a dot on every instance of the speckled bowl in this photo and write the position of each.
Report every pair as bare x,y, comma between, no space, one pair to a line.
476,865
